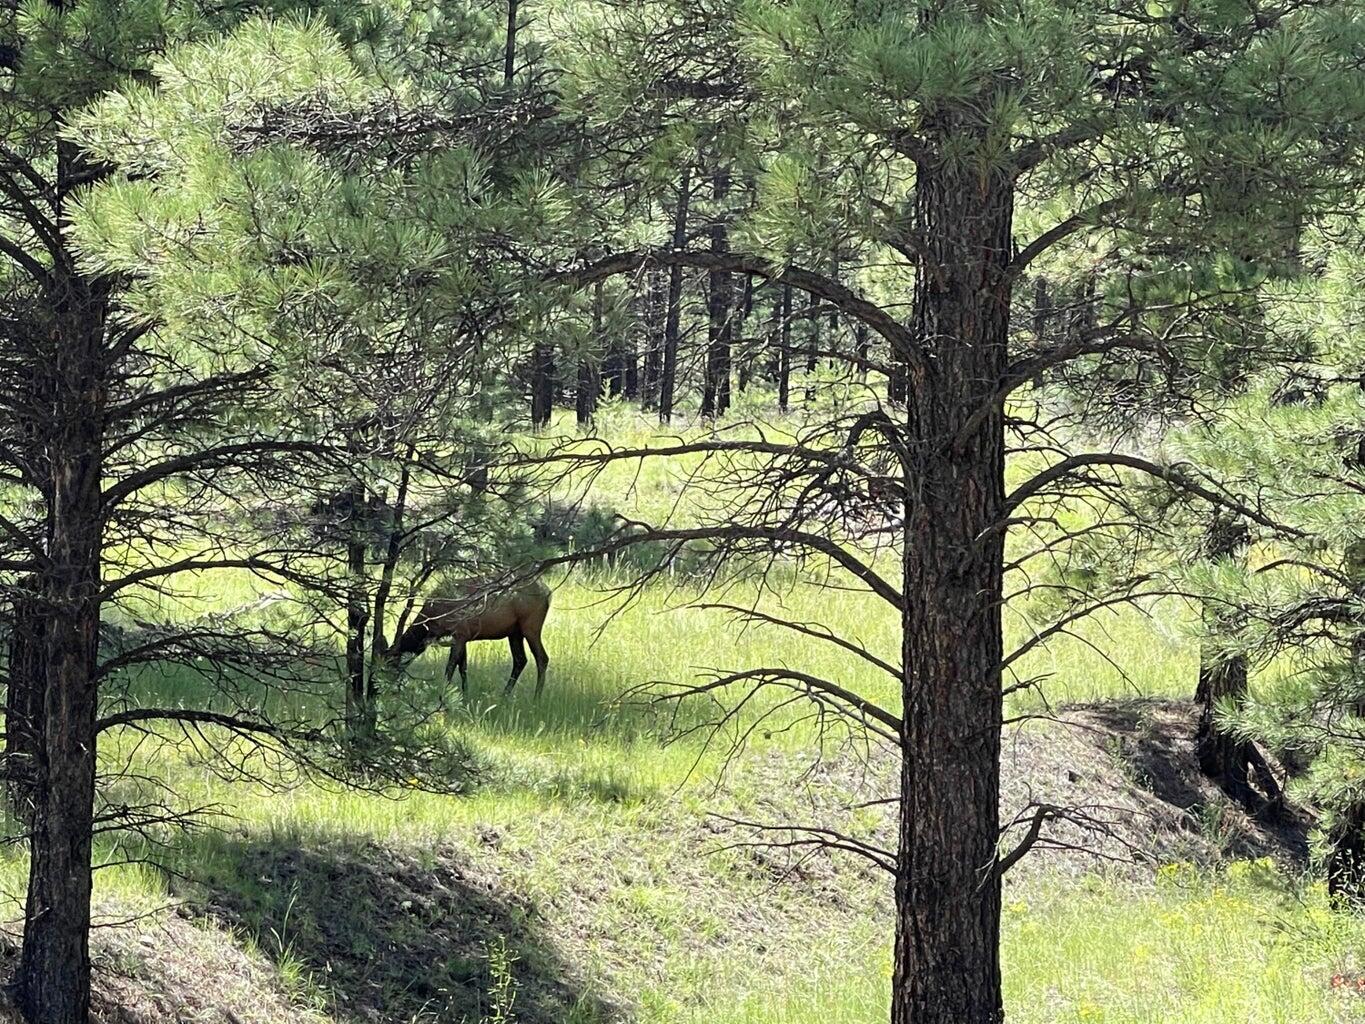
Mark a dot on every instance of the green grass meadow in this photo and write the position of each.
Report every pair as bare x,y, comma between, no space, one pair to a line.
589,849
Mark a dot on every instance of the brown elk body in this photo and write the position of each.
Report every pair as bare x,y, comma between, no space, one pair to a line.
472,613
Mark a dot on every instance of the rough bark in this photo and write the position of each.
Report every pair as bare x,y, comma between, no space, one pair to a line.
946,960
668,374
52,985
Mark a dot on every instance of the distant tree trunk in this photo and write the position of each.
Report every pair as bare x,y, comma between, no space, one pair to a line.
509,56
630,370
394,527
1223,756
1042,321
812,344
655,315
617,346
1042,312
359,711
669,373
746,309
542,384
784,350
24,701
52,984
715,396
1346,834
833,321
584,404
589,377
860,336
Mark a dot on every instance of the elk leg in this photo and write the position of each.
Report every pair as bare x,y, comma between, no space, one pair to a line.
459,651
518,659
542,660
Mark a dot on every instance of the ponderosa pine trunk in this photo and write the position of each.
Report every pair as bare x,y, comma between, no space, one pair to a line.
947,957
52,985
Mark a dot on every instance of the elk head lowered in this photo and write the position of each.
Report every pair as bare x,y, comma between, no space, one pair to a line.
470,611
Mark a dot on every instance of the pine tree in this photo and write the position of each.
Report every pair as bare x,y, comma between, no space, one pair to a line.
972,146
226,295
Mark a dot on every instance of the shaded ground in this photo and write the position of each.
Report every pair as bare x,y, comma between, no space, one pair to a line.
469,929
1124,773
392,934
166,968
1131,764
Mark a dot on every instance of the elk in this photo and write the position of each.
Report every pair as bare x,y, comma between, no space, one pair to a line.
472,613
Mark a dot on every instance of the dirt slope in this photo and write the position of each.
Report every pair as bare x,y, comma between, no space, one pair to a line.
358,931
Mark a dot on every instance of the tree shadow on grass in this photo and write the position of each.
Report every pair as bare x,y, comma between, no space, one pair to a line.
387,934
582,698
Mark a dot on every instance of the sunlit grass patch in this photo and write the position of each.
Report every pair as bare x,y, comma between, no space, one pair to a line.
589,807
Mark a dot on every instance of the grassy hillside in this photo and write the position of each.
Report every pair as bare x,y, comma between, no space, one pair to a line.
584,879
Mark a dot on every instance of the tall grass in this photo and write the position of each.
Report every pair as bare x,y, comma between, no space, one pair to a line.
599,822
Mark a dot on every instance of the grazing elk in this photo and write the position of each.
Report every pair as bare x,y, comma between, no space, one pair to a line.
473,614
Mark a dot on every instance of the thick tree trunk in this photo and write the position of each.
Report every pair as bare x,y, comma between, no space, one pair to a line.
669,372
52,985
715,396
27,678
947,960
